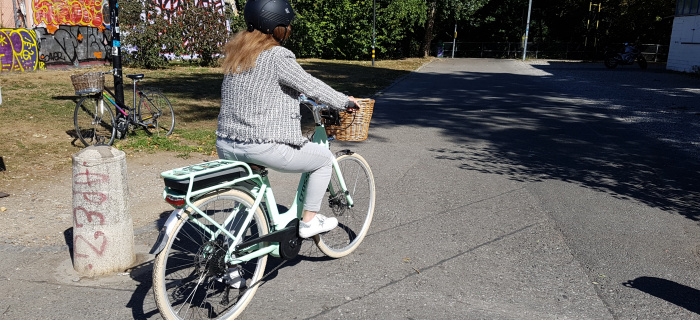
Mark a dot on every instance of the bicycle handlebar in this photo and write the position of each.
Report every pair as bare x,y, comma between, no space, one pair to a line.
332,115
315,107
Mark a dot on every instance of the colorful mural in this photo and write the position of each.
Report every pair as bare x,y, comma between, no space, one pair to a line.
53,13
70,32
172,7
73,44
19,50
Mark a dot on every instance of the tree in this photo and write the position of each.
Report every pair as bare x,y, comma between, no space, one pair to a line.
447,12
342,29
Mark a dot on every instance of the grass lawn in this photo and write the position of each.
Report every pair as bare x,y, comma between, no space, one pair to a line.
36,114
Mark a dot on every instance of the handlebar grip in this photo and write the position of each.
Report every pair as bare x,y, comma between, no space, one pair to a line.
351,106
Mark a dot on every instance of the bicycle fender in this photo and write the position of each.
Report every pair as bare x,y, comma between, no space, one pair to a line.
165,232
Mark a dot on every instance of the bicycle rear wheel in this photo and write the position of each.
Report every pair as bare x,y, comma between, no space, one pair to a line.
94,122
156,113
188,275
353,222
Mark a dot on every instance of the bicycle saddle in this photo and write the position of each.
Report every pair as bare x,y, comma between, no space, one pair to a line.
255,167
135,76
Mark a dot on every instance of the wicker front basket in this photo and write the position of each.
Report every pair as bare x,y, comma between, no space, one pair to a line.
88,83
353,126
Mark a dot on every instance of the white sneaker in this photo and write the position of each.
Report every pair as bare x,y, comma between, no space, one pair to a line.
233,278
319,224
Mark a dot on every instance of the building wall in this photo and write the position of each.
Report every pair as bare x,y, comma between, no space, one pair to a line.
15,14
19,50
36,34
684,49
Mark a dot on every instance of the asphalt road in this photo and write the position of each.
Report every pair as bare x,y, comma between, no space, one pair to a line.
505,190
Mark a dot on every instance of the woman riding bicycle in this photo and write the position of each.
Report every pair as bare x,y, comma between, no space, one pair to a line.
259,121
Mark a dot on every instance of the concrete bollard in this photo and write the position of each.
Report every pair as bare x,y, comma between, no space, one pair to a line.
103,235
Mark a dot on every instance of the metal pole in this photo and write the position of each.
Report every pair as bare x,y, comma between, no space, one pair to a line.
454,42
18,23
527,29
374,24
116,51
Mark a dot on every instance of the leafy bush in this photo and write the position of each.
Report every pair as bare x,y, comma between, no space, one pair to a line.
331,29
197,31
149,32
142,39
342,29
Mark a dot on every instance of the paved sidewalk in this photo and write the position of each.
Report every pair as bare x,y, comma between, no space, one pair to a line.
505,190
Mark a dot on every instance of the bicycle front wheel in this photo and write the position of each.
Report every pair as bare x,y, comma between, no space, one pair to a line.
94,122
189,275
156,113
353,221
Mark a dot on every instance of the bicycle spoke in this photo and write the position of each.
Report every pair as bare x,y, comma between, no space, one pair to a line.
155,113
189,275
94,123
353,221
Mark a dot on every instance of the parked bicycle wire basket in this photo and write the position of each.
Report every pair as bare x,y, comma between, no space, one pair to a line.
88,83
353,126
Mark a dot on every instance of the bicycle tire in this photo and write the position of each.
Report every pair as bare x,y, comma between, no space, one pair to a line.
156,112
94,125
353,222
187,273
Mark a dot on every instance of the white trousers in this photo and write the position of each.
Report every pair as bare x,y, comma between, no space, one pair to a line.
313,158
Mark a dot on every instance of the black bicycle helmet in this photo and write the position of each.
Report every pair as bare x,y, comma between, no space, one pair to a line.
266,15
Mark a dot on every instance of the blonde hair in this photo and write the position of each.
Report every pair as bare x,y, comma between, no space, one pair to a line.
244,47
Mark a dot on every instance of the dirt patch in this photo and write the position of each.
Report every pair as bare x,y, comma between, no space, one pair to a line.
39,211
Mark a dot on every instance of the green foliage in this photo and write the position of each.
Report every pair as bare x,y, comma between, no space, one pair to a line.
331,29
342,29
397,23
646,21
142,41
443,15
197,31
148,32
458,10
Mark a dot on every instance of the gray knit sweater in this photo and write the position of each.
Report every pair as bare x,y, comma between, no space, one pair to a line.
261,105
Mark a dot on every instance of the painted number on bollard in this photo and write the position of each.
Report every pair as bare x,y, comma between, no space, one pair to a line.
83,247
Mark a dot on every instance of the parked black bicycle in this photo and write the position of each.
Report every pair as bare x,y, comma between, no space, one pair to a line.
95,124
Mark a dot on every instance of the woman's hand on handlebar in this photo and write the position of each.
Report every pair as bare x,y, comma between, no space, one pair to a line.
352,105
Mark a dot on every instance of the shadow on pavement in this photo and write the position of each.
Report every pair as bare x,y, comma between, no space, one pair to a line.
676,293
578,123
142,302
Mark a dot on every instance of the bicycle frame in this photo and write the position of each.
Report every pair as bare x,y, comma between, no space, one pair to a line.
123,108
260,192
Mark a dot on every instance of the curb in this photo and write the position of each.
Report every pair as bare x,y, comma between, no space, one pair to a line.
397,81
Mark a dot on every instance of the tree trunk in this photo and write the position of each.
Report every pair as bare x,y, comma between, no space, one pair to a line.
425,46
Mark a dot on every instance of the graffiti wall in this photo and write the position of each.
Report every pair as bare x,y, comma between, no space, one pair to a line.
67,32
73,45
57,32
18,50
54,13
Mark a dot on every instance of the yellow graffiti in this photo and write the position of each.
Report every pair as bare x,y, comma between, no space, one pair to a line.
18,50
67,12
